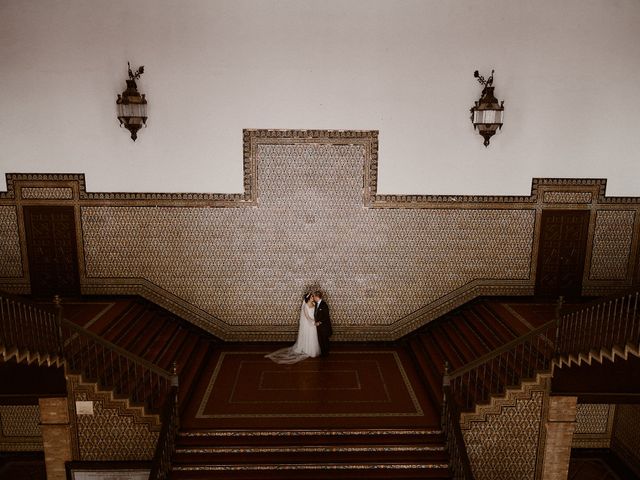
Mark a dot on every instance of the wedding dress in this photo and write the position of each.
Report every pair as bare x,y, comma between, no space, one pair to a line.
307,343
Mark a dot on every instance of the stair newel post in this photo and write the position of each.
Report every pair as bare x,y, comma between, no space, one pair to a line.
57,301
446,383
558,317
175,383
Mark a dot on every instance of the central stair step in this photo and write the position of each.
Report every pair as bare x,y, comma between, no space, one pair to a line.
315,454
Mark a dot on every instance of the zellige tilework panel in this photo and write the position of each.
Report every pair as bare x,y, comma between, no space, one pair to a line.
248,267
10,257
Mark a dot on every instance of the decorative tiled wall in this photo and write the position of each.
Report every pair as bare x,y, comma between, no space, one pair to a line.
505,446
44,193
20,428
10,257
310,216
567,197
113,431
594,424
612,243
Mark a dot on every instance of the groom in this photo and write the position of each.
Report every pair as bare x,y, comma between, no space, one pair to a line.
323,323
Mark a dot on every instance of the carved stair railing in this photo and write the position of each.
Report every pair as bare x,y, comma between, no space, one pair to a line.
114,368
602,328
34,332
458,458
489,375
166,446
29,333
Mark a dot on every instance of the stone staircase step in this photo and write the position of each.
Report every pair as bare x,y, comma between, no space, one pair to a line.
375,453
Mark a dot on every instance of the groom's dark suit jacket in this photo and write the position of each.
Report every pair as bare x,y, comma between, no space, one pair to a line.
322,316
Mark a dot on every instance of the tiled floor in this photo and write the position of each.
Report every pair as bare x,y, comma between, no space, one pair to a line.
355,387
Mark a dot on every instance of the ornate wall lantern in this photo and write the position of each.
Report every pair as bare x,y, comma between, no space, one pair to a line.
488,112
132,107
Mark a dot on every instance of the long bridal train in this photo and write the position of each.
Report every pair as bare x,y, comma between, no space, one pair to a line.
306,345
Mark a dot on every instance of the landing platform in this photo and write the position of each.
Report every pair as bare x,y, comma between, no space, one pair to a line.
356,386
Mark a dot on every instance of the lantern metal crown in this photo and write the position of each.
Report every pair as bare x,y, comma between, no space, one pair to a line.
132,107
488,112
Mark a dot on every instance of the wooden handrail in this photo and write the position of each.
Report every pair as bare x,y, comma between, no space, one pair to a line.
563,312
500,350
596,301
82,331
43,306
115,348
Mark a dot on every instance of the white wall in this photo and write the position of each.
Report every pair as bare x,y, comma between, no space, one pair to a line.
568,70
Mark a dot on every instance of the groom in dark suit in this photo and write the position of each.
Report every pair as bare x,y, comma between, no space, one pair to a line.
323,323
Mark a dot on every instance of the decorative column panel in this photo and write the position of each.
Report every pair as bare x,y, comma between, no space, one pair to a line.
502,439
109,429
20,428
558,431
10,256
594,425
612,245
56,436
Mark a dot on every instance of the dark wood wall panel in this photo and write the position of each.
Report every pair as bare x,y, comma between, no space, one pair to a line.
51,247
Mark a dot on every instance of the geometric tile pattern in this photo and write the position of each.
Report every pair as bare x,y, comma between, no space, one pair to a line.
612,242
248,267
10,256
505,446
567,197
594,424
20,420
20,428
48,193
593,417
109,435
236,264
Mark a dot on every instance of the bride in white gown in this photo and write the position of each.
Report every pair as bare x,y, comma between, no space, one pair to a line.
307,343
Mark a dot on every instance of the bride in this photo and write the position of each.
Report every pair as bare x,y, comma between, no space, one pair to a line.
307,343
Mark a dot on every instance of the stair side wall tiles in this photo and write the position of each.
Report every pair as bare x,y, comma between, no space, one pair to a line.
20,428
113,431
594,425
625,441
505,446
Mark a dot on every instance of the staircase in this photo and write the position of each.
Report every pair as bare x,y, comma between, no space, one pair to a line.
156,336
310,454
153,334
471,361
461,338
42,347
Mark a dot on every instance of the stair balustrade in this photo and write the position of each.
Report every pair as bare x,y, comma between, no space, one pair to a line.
609,325
166,446
27,329
38,333
602,326
458,458
506,366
